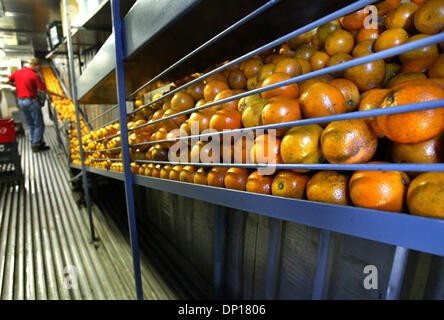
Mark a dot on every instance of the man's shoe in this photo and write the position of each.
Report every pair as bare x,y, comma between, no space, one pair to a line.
40,148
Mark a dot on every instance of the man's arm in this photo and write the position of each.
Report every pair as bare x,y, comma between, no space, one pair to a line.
54,94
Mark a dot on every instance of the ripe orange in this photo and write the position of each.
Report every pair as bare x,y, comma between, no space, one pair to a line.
236,79
415,126
322,99
165,171
381,190
348,141
405,76
324,31
436,69
425,196
216,177
319,60
187,174
304,85
302,144
175,172
251,66
305,65
266,150
391,38
340,41
337,59
350,92
196,90
417,65
226,119
401,17
304,38
366,34
258,183
304,51
429,18
431,51
213,88
386,6
278,110
355,20
232,105
149,169
182,101
329,186
236,178
289,91
368,75
202,118
289,184
201,176
290,66
429,151
372,100
364,47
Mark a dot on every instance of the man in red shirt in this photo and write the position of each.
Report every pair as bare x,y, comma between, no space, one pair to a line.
27,82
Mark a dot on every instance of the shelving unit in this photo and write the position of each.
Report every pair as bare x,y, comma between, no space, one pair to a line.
130,61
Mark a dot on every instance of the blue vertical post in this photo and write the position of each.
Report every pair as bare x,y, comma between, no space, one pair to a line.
320,282
121,96
397,274
218,253
76,105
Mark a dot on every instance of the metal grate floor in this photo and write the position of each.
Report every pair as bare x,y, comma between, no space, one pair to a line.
45,249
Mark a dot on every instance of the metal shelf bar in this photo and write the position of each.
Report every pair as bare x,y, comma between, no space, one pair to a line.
77,112
120,83
397,274
320,283
337,117
400,229
208,43
335,15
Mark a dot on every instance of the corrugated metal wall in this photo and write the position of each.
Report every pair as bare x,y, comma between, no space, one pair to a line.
185,229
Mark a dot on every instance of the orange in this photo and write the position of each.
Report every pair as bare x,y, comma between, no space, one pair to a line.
429,18
381,190
436,69
251,66
340,41
226,119
175,172
350,92
417,65
182,101
232,105
386,6
355,20
204,152
304,85
196,90
159,153
405,76
364,47
391,38
236,79
322,99
187,174
431,51
368,75
401,17
318,60
366,34
337,59
305,65
324,31
289,91
258,183
175,122
265,71
201,176
251,115
425,196
165,171
149,169
236,178
304,38
266,150
304,51
415,126
289,184
302,144
429,151
330,187
213,88
289,66
348,141
216,176
278,110
220,76
371,101
201,118
286,50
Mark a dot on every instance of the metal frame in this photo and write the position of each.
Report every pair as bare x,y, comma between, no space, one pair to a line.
387,227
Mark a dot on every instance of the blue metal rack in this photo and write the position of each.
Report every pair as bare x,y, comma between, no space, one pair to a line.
387,227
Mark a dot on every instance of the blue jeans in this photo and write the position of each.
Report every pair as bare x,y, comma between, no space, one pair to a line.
34,118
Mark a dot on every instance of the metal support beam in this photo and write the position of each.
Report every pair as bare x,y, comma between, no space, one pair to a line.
397,275
321,281
129,179
218,253
274,248
79,132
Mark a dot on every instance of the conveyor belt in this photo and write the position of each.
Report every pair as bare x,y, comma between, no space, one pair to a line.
43,235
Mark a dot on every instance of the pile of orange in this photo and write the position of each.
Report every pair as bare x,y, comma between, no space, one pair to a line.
414,137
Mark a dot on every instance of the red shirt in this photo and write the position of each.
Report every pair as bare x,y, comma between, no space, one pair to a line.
27,82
